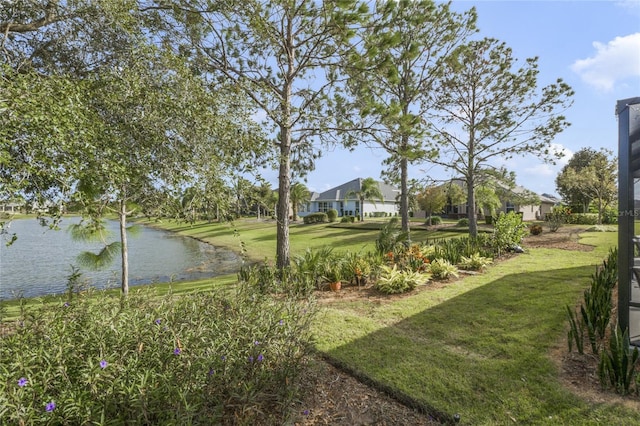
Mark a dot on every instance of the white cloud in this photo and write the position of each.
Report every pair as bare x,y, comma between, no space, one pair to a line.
615,61
565,153
631,6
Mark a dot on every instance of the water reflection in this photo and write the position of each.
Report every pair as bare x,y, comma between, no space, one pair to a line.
39,262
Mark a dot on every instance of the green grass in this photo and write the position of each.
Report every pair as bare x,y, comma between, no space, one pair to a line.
478,347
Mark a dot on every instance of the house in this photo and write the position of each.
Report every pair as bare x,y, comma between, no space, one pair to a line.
514,199
345,200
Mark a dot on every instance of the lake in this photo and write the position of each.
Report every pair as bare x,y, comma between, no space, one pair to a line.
39,261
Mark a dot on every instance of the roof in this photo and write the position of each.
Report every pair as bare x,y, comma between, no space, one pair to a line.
340,192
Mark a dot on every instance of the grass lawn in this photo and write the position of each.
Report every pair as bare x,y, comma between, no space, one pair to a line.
478,346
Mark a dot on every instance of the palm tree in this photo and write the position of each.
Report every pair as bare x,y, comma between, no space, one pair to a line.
369,190
299,194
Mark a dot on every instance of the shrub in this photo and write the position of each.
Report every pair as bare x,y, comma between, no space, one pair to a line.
394,281
348,219
316,218
435,220
390,238
475,262
583,219
558,217
332,215
463,222
443,269
618,363
201,358
508,231
535,229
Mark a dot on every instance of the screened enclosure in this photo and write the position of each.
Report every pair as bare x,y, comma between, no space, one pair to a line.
628,112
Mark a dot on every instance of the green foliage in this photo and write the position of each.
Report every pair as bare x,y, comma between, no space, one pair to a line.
436,220
617,367
357,268
443,269
393,280
463,222
348,219
311,263
595,311
582,219
316,218
202,358
576,331
558,217
390,238
535,229
508,231
332,215
475,262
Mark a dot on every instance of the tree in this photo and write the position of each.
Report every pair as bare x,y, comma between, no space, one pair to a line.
369,190
485,110
576,199
281,55
595,181
392,76
432,200
299,195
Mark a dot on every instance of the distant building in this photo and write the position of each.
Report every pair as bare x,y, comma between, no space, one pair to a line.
345,200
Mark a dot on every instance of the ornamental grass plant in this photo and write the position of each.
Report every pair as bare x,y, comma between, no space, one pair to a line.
201,358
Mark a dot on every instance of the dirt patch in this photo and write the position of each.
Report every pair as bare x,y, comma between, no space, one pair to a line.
565,238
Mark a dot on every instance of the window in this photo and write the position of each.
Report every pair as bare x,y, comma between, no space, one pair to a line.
324,206
510,207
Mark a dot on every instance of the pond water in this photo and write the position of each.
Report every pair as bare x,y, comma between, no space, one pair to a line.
39,261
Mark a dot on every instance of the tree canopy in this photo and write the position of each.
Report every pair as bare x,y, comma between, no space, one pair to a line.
488,109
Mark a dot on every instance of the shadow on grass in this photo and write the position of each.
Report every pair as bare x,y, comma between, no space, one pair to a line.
482,354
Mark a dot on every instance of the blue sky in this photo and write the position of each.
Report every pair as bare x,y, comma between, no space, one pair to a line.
593,45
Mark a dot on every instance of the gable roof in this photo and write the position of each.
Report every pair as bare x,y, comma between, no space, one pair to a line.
339,193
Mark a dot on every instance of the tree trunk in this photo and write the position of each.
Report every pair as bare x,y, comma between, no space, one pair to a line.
361,209
471,208
124,247
404,196
284,183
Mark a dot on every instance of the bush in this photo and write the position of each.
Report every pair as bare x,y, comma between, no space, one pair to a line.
348,219
390,238
316,218
617,366
443,269
332,215
508,231
435,220
463,222
475,262
535,229
583,219
558,217
394,281
201,358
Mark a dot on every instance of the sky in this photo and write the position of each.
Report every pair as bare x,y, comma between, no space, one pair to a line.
594,46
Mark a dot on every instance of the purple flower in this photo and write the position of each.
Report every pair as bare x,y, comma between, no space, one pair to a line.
50,406
260,358
158,321
281,322
305,412
212,372
66,304
256,343
177,351
103,364
250,358
224,358
22,382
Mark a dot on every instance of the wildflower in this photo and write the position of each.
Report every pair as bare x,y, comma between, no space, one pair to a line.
281,322
103,364
260,358
158,321
256,343
66,304
211,372
305,412
250,358
22,382
177,351
224,358
50,406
